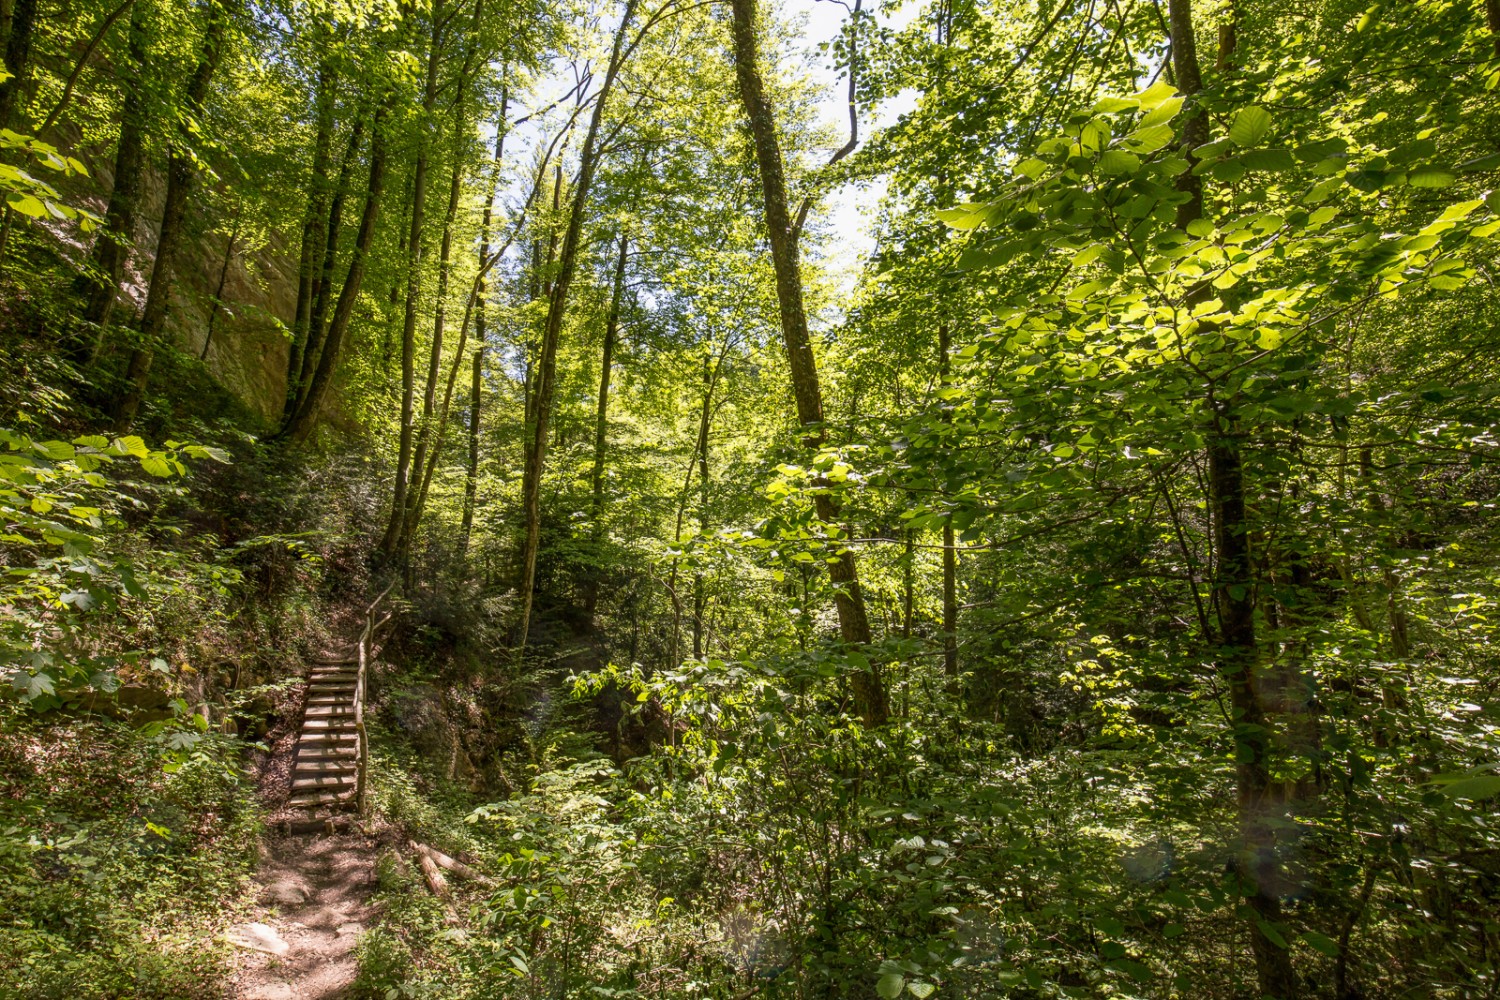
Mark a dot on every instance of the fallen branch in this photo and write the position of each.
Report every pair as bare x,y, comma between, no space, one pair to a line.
438,884
451,864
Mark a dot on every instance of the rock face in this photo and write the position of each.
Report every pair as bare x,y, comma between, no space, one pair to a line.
250,338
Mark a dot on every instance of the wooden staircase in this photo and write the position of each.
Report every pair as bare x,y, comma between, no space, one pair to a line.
328,773
330,749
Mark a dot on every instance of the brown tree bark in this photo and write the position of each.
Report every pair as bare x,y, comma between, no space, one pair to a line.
1234,588
601,418
868,688
17,58
476,388
393,529
100,285
950,550
182,173
557,304
317,324
315,235
301,422
425,436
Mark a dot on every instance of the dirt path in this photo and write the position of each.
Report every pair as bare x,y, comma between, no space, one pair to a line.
314,903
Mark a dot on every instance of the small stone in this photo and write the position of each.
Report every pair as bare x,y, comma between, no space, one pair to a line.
350,928
285,894
257,937
272,991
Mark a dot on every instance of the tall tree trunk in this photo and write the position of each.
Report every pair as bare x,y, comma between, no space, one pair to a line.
217,306
301,422
1235,589
101,287
868,688
315,236
317,323
705,418
17,59
425,436
392,537
556,308
950,550
476,389
601,418
182,172
471,473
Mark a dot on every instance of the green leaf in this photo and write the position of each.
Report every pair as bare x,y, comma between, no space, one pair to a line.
1031,167
27,205
1135,970
1163,112
156,465
1268,159
32,686
1156,95
1431,176
921,990
1272,933
1479,163
1481,787
964,217
1250,125
1321,942
1149,140
132,445
890,985
1118,161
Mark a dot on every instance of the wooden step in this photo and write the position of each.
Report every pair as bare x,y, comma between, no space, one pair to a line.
336,744
322,698
336,766
313,799
338,723
322,673
333,782
334,737
326,762
327,711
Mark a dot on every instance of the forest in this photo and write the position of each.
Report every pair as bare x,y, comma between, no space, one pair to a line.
736,499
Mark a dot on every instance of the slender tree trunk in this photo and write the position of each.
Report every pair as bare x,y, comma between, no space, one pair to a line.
1234,597
317,324
705,417
556,308
392,538
101,288
315,236
301,422
1492,19
601,418
425,438
182,172
950,550
217,306
868,688
17,59
476,398
471,477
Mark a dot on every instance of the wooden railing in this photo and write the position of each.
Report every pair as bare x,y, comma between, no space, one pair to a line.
366,639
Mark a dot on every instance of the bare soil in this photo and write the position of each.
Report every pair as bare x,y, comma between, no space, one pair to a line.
316,895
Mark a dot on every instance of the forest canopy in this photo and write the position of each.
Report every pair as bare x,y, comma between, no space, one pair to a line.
825,498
